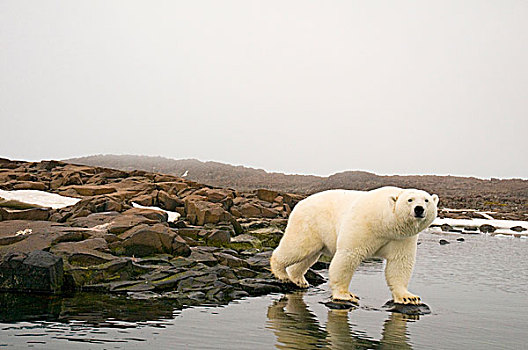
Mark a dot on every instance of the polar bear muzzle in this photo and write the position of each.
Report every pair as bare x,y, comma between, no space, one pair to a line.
419,212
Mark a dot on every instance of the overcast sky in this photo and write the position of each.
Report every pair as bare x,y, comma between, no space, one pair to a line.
313,87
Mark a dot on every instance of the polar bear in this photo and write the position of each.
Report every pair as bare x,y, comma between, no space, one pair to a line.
350,226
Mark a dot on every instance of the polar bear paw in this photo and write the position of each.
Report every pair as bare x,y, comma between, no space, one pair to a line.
407,298
345,296
301,282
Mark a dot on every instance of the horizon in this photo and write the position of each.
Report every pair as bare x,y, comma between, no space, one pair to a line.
270,171
436,87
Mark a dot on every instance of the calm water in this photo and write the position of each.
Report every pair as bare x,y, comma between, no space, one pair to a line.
477,291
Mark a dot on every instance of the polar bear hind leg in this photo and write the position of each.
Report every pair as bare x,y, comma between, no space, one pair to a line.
290,261
297,271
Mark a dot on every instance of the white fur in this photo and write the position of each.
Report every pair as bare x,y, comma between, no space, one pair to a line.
351,226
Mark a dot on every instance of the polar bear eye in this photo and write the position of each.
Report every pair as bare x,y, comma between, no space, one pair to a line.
409,200
427,201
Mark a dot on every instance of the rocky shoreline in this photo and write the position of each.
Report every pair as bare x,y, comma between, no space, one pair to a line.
217,251
110,240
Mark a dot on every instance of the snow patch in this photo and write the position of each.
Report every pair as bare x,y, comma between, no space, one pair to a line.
42,198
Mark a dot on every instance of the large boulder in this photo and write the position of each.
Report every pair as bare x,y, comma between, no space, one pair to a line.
202,212
145,240
38,271
266,195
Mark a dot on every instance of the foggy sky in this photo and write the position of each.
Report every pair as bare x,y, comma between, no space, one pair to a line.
314,87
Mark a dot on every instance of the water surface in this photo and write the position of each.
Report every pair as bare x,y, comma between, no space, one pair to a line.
476,289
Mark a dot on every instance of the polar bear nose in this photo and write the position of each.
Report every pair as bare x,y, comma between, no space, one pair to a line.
419,210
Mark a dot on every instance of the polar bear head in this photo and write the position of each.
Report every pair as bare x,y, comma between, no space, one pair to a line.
415,207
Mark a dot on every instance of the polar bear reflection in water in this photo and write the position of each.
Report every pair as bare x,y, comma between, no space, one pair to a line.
351,226
296,327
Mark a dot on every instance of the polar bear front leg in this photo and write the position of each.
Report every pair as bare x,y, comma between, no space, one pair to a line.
400,257
341,270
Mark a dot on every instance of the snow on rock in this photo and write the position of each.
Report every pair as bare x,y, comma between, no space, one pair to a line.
42,198
173,216
502,227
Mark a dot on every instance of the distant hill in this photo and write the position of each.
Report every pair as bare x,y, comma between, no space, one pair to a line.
454,190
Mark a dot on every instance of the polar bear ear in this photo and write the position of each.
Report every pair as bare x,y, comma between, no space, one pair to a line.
435,198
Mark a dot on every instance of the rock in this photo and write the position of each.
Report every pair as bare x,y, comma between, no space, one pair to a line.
245,241
518,229
180,247
292,199
168,202
214,195
486,228
202,212
340,304
39,271
34,214
97,204
443,242
460,239
199,255
122,223
144,240
267,195
93,190
256,287
30,185
147,200
252,210
446,227
151,214
407,309
230,260
218,238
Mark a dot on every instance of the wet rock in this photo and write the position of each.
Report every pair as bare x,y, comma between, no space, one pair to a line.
443,242
470,230
340,304
173,282
38,271
446,227
407,309
486,228
256,287
120,269
460,239
518,229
